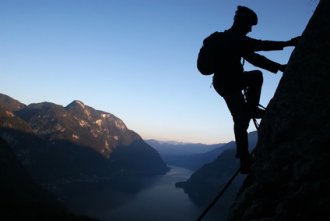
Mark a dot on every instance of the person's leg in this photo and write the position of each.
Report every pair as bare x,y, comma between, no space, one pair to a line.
241,117
253,82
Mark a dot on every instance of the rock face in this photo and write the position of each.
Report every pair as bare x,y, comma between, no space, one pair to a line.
291,175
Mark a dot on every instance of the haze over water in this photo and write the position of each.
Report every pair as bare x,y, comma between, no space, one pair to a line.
159,201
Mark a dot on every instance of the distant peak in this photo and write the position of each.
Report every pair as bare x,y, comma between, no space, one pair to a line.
77,103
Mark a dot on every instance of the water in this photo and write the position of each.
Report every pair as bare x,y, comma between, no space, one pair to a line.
160,201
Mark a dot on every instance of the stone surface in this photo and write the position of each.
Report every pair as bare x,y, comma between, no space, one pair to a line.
291,175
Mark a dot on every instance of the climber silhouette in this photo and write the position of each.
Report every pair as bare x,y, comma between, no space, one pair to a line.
230,79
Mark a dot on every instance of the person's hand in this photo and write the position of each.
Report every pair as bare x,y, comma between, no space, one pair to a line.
293,41
282,67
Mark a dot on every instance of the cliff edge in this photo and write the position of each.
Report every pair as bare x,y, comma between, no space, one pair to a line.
291,173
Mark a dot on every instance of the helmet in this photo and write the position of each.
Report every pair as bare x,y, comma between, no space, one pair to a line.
245,14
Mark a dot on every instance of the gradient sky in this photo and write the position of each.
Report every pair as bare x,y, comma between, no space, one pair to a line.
135,58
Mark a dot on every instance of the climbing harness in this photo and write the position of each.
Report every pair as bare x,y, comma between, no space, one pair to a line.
214,201
256,123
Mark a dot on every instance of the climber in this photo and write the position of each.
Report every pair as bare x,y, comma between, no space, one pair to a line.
230,79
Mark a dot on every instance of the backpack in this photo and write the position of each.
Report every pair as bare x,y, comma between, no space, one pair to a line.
208,53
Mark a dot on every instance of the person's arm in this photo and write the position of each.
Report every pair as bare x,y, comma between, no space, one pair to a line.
260,45
263,62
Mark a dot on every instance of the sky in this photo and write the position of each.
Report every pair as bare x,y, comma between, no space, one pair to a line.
135,59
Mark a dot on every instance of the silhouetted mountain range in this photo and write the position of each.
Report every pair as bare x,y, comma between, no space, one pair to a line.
187,155
166,148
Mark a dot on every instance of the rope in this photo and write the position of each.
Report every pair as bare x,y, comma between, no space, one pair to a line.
256,124
218,196
214,201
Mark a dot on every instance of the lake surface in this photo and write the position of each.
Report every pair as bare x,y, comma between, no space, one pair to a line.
159,201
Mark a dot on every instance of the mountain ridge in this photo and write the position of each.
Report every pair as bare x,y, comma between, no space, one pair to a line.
9,103
56,122
74,142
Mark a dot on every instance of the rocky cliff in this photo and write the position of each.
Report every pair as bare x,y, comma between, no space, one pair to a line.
291,173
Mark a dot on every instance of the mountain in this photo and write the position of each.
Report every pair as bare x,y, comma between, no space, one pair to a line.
168,148
196,161
61,146
8,103
290,177
23,199
193,156
79,124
